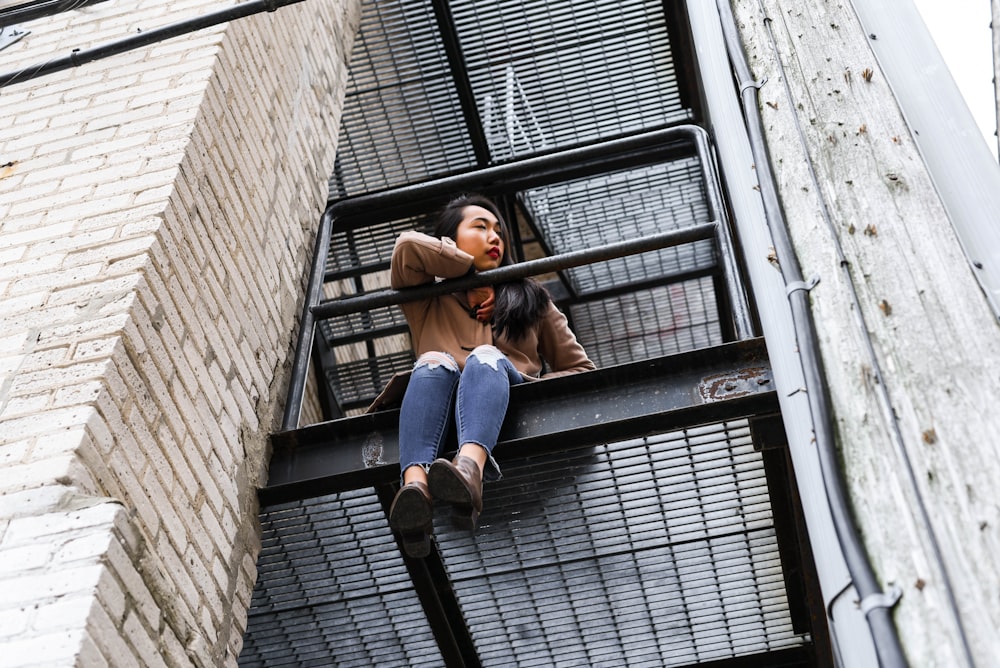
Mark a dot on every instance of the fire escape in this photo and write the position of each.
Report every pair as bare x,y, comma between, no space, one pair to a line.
648,515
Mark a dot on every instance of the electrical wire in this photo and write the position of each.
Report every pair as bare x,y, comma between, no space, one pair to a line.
29,11
78,57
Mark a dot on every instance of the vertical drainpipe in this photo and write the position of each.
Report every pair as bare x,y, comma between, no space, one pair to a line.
850,631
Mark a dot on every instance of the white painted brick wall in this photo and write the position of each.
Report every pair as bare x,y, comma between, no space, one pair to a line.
156,214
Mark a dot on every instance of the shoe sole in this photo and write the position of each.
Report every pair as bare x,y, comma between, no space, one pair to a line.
410,512
447,486
411,516
416,545
464,517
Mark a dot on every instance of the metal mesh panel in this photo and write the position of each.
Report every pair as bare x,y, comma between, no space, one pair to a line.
649,323
357,383
332,590
653,552
543,75
402,120
549,75
625,205
364,249
359,325
356,374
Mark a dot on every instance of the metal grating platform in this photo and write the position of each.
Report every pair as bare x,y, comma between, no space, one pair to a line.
627,204
356,383
332,590
365,249
360,326
402,119
661,546
553,75
650,552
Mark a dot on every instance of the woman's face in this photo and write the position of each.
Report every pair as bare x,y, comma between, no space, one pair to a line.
479,235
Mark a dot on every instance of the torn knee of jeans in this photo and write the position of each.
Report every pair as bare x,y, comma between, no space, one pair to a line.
434,359
490,355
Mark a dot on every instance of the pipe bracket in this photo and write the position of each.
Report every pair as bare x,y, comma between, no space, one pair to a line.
802,285
885,599
752,84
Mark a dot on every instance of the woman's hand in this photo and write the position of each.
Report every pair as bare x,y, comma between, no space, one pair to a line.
482,299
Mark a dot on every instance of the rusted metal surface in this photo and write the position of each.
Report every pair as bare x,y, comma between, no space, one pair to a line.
739,383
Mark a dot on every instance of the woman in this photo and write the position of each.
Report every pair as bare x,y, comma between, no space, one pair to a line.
471,347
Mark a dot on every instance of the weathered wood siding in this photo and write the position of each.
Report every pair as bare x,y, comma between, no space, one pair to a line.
995,24
908,341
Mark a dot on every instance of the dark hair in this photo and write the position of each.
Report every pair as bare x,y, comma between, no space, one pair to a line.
519,303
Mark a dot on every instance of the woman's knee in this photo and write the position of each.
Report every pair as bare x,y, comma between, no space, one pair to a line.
436,360
486,354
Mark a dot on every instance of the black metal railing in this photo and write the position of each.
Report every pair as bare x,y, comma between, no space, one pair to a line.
647,148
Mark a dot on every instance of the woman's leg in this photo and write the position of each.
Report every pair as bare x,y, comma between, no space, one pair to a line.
423,417
483,395
423,422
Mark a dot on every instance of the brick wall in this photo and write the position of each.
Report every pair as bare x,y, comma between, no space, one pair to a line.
157,211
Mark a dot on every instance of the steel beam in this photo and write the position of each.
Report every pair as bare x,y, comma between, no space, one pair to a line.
452,45
655,146
724,382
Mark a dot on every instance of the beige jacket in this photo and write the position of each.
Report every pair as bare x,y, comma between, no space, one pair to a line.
444,324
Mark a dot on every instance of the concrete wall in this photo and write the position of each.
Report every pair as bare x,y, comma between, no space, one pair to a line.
156,213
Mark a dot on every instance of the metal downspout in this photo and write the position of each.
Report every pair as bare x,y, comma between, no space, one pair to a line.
880,622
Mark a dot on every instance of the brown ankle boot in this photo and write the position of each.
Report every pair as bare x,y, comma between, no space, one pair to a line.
411,516
460,484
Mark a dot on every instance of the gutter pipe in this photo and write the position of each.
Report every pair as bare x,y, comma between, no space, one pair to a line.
875,602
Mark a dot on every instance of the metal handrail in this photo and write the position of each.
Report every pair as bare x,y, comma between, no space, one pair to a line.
370,300
529,173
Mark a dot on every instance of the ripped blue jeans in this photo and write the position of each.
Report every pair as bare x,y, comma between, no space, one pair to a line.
483,391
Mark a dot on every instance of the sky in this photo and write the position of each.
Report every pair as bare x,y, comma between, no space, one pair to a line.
961,30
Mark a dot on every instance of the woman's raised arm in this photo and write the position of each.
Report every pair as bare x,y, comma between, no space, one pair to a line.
418,258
